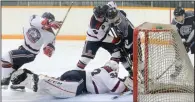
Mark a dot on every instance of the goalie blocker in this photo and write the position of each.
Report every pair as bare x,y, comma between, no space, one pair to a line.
75,82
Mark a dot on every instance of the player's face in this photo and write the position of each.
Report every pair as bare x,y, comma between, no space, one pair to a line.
179,18
115,20
101,18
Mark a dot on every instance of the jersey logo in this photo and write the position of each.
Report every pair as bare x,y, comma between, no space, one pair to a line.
186,30
33,35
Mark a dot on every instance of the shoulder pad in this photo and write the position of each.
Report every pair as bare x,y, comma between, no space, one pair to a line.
123,12
189,14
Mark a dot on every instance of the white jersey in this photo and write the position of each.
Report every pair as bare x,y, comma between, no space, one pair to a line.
104,80
35,36
97,31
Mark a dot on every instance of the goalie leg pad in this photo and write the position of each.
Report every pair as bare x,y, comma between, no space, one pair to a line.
76,76
58,88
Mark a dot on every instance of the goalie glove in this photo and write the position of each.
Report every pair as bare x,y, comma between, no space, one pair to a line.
24,77
49,49
128,82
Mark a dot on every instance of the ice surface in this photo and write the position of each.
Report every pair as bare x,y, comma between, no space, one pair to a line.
65,58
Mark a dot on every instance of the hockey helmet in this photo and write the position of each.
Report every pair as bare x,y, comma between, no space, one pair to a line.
179,11
112,4
112,64
113,16
49,16
100,12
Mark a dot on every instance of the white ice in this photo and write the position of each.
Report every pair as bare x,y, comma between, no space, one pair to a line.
65,58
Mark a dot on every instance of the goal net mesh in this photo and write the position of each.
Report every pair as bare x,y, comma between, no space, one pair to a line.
162,69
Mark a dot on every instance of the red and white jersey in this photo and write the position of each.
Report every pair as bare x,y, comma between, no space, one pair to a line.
97,30
104,80
35,36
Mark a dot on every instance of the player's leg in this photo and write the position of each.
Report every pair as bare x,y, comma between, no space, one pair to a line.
129,49
70,84
12,61
89,51
192,47
113,50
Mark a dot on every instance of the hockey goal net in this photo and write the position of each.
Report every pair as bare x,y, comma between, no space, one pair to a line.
162,69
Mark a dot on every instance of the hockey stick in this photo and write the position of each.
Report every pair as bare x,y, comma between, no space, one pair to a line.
158,77
64,18
123,94
126,54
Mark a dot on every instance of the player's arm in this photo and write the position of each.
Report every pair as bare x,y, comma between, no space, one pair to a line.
123,12
97,29
188,43
43,23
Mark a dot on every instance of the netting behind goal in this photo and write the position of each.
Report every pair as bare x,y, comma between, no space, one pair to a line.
162,69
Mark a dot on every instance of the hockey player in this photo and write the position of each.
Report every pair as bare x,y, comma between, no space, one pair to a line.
39,32
184,22
75,82
112,4
97,36
122,29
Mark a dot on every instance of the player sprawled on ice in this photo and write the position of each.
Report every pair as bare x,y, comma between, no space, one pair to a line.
184,21
75,82
97,36
39,32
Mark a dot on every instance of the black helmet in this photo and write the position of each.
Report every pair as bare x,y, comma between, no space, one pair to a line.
111,13
179,11
49,16
100,11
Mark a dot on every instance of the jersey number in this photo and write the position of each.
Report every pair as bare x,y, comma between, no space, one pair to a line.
113,75
97,71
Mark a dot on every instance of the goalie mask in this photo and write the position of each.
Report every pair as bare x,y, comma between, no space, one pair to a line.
112,64
179,14
113,16
49,16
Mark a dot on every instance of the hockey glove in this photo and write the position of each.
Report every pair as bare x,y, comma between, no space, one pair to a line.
55,24
48,50
128,81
